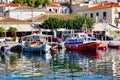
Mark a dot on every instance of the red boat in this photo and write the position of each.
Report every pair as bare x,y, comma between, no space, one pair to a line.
102,47
90,46
114,46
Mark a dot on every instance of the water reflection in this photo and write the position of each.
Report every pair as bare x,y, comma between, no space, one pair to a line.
61,65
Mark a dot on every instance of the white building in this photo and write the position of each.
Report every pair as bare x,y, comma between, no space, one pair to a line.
6,1
23,13
80,6
108,12
11,6
56,7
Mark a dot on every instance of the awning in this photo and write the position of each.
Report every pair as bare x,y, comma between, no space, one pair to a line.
21,27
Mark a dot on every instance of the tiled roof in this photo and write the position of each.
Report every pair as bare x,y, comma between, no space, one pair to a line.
24,8
2,15
60,16
54,4
43,17
15,5
11,20
103,6
2,4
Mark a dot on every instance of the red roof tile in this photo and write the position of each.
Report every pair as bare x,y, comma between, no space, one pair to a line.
15,5
43,17
54,4
103,6
11,20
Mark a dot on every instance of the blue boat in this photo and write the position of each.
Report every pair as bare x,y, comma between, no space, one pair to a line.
34,42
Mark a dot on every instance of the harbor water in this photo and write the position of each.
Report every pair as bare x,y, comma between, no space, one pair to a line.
60,65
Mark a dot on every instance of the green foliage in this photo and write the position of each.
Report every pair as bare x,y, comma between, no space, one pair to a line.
13,29
90,22
2,29
53,23
69,24
76,23
39,2
32,3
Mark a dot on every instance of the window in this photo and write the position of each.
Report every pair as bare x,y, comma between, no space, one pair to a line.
50,10
91,15
119,15
97,14
56,10
104,15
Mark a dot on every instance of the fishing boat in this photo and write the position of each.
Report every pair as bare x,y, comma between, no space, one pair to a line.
103,47
114,46
34,42
81,42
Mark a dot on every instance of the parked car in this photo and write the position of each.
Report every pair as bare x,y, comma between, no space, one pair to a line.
103,37
2,39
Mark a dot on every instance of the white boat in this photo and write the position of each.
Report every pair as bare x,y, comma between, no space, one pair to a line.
35,42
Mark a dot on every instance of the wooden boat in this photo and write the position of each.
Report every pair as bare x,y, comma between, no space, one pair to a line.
114,46
34,42
81,43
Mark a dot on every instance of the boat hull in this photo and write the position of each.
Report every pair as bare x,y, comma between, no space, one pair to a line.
103,48
35,49
113,46
91,46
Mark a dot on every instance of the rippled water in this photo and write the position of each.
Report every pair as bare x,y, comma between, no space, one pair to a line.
61,65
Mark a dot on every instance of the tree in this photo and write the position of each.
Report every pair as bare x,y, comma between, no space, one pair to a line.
13,30
39,2
69,24
81,20
33,3
76,23
51,23
2,30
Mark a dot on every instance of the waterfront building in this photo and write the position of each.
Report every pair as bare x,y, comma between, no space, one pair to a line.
82,5
105,12
23,13
23,27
